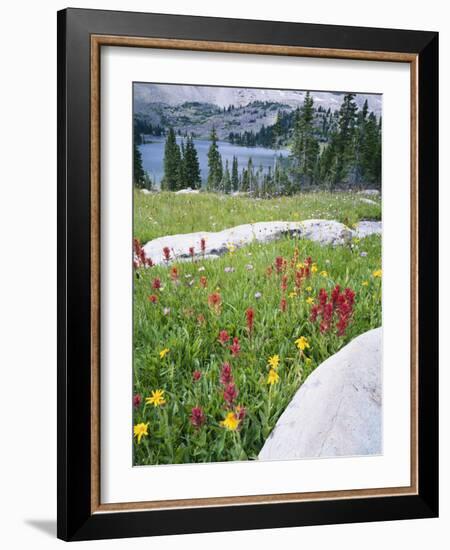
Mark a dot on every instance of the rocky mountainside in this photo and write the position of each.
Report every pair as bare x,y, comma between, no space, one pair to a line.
196,109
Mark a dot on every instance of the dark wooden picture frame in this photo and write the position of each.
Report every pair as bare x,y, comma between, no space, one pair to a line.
81,34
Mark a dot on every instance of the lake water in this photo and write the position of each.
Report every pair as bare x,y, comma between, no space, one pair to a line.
153,156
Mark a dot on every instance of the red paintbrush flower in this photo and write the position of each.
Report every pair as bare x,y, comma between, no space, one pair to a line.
196,375
226,376
283,304
284,283
203,281
323,297
314,313
269,271
299,274
156,284
174,274
191,251
224,337
153,298
230,393
140,259
166,253
241,412
137,400
197,417
203,245
335,294
235,348
215,301
250,314
279,262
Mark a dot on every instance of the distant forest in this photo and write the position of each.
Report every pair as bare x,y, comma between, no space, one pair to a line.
328,150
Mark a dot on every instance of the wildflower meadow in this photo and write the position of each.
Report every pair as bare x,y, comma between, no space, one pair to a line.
221,346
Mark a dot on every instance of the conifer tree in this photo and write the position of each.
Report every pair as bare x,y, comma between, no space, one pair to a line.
214,164
226,180
234,175
172,162
191,165
138,171
305,147
345,137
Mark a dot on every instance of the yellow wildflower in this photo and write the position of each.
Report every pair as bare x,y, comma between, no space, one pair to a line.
365,283
314,268
292,294
324,273
308,289
302,343
231,248
310,300
140,430
300,265
156,399
163,353
274,361
231,422
273,377
377,273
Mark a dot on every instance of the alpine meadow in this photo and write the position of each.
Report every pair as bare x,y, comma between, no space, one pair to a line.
257,273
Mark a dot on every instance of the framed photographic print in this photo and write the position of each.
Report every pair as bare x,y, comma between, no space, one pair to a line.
247,274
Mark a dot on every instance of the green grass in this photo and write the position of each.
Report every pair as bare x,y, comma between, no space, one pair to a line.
173,322
162,214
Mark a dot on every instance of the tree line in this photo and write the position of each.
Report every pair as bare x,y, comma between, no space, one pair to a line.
328,149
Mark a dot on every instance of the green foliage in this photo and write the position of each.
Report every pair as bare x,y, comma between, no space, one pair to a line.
172,164
167,214
305,146
191,166
214,164
182,321
138,172
235,175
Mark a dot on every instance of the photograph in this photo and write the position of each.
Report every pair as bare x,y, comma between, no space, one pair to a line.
257,274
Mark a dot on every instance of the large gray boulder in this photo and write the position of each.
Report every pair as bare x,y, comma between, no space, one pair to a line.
321,231
337,411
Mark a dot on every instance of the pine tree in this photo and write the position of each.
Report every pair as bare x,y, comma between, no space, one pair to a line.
250,176
244,181
214,164
226,180
172,161
234,175
191,165
345,138
277,129
371,151
305,147
138,171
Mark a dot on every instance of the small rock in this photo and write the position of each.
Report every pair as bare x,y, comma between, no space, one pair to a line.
187,191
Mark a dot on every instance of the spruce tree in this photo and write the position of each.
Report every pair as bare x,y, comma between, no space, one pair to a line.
172,161
191,165
138,171
214,164
305,147
226,180
235,174
345,138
